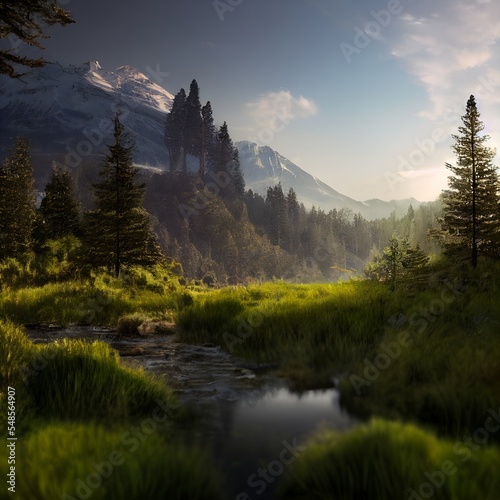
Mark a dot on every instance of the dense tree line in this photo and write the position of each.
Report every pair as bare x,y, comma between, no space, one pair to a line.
203,217
116,233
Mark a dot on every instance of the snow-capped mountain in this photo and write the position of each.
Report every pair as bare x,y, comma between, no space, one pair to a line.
263,167
67,114
68,111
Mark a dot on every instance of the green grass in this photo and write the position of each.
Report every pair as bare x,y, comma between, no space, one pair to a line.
101,300
97,463
76,380
388,460
449,373
312,331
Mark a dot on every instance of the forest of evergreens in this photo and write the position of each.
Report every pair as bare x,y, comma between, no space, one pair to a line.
202,216
411,343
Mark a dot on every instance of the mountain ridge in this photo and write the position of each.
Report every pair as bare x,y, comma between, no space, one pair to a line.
67,112
262,167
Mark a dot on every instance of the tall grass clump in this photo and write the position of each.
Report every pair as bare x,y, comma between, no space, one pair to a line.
102,299
312,331
84,380
88,461
390,460
448,374
16,353
75,380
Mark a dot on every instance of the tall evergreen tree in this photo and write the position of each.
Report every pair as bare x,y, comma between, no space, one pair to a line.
208,136
60,210
276,213
227,160
194,121
174,133
119,231
17,203
471,217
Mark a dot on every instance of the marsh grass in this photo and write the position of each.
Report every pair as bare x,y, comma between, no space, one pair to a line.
102,301
54,460
76,380
448,376
84,380
385,460
312,331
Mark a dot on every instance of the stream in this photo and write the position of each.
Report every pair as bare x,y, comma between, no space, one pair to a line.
252,424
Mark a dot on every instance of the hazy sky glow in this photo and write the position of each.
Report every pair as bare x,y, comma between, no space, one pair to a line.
363,95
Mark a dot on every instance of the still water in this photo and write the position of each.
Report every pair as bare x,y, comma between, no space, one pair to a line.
252,424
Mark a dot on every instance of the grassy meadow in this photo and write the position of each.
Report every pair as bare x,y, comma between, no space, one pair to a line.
425,362
426,359
390,460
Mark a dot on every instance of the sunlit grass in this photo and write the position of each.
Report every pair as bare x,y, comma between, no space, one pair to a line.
101,300
448,375
385,460
313,331
76,380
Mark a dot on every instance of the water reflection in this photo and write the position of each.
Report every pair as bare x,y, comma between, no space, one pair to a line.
248,437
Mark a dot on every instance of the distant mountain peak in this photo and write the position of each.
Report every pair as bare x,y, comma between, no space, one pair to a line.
263,167
91,66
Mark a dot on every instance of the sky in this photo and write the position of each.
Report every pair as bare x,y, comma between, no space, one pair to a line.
362,94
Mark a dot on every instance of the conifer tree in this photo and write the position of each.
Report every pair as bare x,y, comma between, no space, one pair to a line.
227,160
174,133
119,231
471,223
60,209
208,136
194,120
397,263
17,203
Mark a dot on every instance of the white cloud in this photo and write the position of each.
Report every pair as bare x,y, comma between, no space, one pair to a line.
280,106
452,48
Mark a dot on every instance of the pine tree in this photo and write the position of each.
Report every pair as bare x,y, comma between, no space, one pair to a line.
194,120
208,140
227,160
174,133
119,230
22,22
17,203
471,223
398,263
60,209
